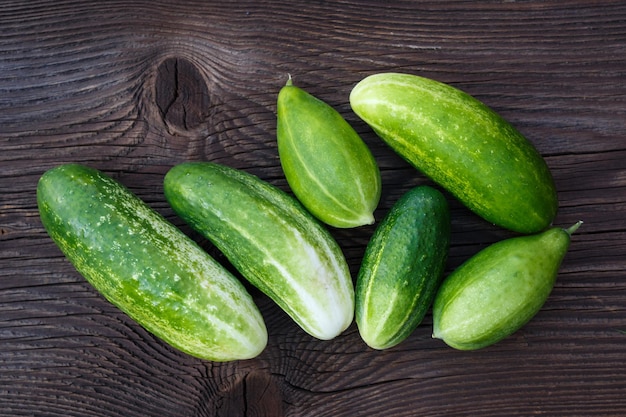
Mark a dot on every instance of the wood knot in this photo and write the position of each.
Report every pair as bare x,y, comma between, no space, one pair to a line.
182,96
233,389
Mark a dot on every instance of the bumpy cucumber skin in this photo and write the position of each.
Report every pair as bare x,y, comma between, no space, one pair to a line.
271,239
327,165
498,290
402,267
462,145
147,267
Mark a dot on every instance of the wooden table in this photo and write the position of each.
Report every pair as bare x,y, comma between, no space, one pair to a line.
133,88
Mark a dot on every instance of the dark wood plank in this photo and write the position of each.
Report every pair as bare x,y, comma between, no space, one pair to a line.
133,88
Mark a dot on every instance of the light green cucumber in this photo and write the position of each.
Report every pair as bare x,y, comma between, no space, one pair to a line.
498,290
402,267
147,267
327,165
461,144
271,239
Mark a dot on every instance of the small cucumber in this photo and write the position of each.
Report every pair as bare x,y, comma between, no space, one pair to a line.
271,239
327,165
147,267
402,267
498,290
462,145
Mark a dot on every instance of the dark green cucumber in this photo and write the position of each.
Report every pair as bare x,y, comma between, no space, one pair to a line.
498,290
327,165
402,267
462,145
147,267
271,239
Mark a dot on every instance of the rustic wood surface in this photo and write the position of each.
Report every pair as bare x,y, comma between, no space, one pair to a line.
134,87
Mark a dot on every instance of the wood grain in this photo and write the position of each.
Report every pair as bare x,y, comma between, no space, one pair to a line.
134,87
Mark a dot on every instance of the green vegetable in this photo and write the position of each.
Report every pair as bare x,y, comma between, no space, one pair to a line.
147,267
498,290
327,165
270,239
402,267
462,145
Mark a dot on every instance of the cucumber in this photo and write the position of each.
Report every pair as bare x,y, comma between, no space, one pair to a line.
147,267
498,290
402,267
462,145
271,239
327,165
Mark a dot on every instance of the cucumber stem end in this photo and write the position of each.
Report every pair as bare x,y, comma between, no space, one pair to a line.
573,228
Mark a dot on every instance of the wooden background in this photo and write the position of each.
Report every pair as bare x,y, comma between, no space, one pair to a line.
133,87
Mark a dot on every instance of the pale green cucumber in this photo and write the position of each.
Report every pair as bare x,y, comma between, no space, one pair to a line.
498,290
402,267
147,267
461,144
327,165
271,239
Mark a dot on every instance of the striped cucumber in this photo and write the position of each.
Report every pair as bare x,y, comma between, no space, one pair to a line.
147,267
327,165
271,239
462,145
498,290
402,267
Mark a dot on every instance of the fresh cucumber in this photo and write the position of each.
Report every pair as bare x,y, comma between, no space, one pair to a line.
327,165
402,267
498,290
147,267
271,239
462,145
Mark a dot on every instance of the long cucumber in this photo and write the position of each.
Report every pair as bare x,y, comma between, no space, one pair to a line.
147,267
461,144
271,239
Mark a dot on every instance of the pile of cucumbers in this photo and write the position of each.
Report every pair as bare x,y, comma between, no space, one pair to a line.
280,242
